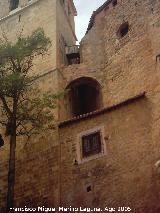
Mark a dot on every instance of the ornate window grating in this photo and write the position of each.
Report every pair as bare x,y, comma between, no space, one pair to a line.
90,144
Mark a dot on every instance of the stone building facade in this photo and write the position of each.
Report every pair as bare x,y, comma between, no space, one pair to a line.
105,151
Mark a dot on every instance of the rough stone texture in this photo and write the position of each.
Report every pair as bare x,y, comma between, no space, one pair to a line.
46,173
37,160
123,177
124,67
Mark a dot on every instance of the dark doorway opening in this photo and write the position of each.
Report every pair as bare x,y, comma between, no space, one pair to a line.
84,96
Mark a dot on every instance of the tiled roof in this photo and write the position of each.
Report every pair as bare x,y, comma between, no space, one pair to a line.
101,111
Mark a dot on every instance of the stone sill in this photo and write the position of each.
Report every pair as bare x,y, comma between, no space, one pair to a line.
18,10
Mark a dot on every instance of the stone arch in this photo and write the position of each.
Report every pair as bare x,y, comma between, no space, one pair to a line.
84,96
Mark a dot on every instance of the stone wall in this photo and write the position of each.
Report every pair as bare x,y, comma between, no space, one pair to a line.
124,67
124,175
37,159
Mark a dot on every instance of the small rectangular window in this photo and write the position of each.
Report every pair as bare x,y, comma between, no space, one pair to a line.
14,4
91,144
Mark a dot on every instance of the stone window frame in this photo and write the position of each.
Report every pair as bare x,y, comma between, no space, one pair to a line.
80,159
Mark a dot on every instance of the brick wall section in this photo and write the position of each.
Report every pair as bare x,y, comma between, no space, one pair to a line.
124,177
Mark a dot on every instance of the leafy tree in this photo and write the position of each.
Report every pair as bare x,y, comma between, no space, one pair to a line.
24,108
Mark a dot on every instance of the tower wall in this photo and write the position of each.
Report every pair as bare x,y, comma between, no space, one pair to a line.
37,159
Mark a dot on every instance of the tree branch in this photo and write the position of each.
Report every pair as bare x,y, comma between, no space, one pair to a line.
5,105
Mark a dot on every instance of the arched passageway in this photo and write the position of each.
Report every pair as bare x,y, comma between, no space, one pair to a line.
84,95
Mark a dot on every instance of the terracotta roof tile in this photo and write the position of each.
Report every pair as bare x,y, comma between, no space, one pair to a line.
100,111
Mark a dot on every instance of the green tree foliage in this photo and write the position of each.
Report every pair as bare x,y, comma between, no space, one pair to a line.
24,108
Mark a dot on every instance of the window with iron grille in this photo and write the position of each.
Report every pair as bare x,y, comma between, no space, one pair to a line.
91,144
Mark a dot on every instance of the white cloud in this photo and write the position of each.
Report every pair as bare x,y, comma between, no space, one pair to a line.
85,9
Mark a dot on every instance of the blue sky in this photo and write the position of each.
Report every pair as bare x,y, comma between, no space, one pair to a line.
85,9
